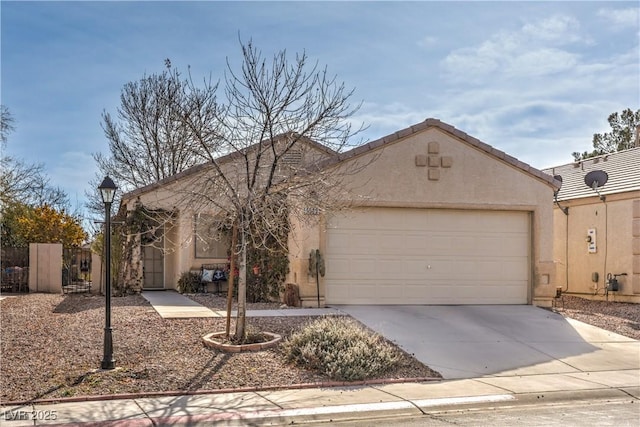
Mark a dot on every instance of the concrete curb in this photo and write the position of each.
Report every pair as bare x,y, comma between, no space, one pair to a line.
340,413
322,385
293,406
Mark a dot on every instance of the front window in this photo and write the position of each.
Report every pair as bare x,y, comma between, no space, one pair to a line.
211,239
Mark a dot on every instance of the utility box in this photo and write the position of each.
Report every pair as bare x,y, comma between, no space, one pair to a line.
591,241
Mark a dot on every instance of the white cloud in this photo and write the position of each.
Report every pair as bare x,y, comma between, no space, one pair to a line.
531,51
468,64
621,18
541,133
560,29
541,62
385,119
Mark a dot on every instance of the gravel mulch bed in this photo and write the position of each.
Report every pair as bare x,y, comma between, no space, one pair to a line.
621,318
51,347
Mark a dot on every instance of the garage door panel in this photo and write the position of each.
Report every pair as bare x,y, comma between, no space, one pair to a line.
505,245
506,221
361,267
419,256
491,268
413,268
339,243
360,241
341,293
441,244
388,242
437,221
340,268
415,242
514,270
462,246
388,269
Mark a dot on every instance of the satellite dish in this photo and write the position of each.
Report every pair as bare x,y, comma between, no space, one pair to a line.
564,209
596,179
558,178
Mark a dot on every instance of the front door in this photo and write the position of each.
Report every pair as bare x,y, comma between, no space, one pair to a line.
153,265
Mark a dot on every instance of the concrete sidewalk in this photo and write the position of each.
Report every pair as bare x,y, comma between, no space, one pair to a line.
296,406
172,305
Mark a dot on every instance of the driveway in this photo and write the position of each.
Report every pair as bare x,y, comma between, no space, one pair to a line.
498,340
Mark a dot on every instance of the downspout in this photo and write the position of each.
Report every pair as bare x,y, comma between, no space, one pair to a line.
566,249
565,211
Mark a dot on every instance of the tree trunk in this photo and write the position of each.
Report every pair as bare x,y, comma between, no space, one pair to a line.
231,279
242,285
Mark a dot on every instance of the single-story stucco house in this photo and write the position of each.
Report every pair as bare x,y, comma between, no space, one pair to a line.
447,219
597,232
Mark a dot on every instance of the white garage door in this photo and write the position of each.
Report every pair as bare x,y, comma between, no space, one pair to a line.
427,256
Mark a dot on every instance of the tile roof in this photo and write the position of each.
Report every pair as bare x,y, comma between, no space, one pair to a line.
362,149
208,165
622,167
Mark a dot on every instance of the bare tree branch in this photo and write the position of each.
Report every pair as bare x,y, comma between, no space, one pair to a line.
280,122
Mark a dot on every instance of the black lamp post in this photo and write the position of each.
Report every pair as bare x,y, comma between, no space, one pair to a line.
107,191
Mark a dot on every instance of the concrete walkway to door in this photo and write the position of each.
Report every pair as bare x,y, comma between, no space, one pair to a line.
172,305
499,340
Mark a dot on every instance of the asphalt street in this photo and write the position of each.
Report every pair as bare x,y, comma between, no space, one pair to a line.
614,413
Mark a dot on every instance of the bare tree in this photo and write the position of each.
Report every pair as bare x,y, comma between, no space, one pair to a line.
28,184
267,146
6,124
147,140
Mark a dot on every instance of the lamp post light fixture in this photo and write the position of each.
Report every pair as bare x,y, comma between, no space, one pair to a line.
107,191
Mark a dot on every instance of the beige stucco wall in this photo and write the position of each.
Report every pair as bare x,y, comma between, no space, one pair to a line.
186,196
45,267
428,169
617,225
304,238
461,177
97,274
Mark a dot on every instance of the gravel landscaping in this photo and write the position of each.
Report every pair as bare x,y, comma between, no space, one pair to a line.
51,346
621,318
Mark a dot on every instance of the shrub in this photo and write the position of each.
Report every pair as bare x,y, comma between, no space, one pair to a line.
188,282
340,348
273,265
268,253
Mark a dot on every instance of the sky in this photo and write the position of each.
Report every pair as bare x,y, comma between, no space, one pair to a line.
534,79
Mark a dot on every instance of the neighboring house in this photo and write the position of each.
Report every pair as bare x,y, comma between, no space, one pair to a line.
597,236
438,217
